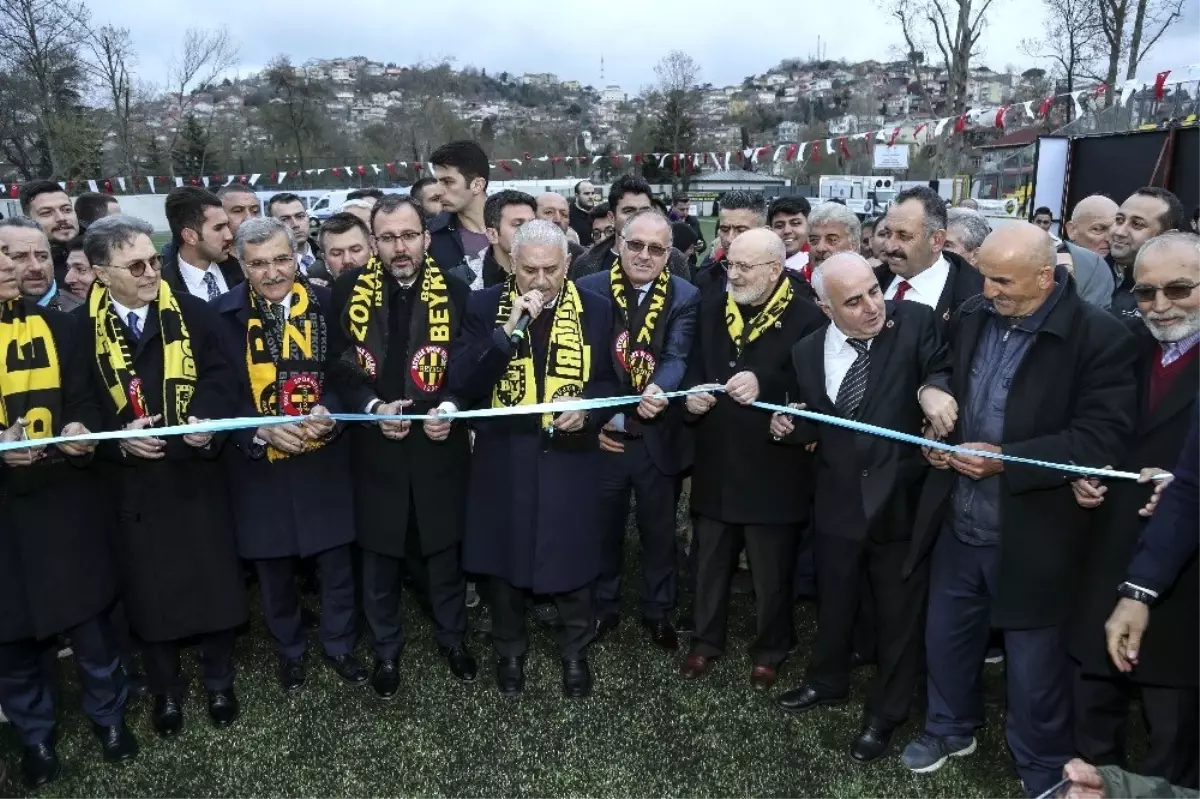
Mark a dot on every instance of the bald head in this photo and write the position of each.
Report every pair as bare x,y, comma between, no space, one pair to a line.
553,208
757,244
755,262
1017,263
837,270
1091,220
849,294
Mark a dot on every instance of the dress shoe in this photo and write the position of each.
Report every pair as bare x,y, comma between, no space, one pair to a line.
349,668
462,662
872,743
805,698
762,678
41,764
292,676
510,676
167,716
223,707
695,667
309,621
662,633
386,679
116,742
577,678
605,626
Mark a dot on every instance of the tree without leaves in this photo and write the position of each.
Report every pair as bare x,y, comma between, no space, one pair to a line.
296,111
1130,29
1073,40
112,54
675,131
205,54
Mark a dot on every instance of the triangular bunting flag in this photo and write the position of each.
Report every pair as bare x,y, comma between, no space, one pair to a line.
254,178
120,182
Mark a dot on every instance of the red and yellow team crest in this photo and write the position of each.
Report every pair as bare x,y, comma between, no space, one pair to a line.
300,394
137,402
428,367
367,362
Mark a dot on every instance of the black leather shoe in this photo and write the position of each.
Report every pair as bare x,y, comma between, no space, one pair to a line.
662,633
41,764
871,744
349,668
223,708
462,662
167,716
577,679
116,742
605,626
386,679
309,621
292,676
510,676
805,698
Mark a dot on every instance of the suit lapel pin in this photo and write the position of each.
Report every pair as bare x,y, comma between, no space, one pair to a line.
891,323
778,325
946,316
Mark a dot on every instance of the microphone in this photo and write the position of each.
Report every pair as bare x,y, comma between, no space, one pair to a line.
519,331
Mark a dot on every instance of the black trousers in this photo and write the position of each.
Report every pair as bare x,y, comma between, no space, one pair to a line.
1102,709
576,625
281,602
845,568
382,576
164,673
633,471
771,551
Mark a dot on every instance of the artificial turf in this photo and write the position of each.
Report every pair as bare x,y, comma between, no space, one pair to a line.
644,732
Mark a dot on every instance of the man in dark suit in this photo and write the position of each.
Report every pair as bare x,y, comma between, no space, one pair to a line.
277,326
397,319
57,575
918,268
1038,374
157,360
199,258
1166,275
873,364
533,520
654,315
746,488
627,195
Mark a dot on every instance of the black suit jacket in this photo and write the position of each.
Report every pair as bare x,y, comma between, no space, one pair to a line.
868,485
230,269
963,283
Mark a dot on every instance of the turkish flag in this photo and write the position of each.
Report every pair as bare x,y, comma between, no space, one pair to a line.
1044,109
1160,84
842,146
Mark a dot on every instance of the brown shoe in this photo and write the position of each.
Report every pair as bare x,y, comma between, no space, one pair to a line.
762,677
695,667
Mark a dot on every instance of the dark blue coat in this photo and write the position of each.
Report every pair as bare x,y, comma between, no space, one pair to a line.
667,440
297,506
533,516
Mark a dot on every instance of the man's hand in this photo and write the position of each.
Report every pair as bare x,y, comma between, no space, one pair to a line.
782,425
531,302
570,421
1089,491
1124,630
396,431
1147,476
289,438
197,440
20,457
437,429
742,388
977,467
609,443
76,449
1085,780
149,448
940,409
702,403
938,458
319,424
651,405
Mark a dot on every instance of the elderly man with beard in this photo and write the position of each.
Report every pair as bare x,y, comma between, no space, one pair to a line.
29,250
627,195
274,330
746,488
1148,212
740,211
1166,276
533,520
397,318
45,202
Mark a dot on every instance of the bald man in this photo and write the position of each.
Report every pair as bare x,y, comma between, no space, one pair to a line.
1091,220
747,488
873,363
1038,374
553,207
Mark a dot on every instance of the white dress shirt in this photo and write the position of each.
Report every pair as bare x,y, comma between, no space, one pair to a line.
925,288
796,262
193,278
839,357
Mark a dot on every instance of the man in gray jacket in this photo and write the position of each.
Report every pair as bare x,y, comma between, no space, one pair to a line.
1093,278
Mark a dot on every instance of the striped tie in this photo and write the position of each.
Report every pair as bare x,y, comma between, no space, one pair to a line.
854,384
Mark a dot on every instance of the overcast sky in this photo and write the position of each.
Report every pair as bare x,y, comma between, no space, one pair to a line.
569,38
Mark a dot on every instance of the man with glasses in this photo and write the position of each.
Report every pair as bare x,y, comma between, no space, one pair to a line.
199,258
289,209
28,248
601,223
586,197
654,319
628,195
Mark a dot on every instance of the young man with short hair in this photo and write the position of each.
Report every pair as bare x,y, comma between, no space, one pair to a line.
201,261
289,209
459,232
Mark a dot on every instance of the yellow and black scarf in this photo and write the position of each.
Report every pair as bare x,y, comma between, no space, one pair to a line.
285,357
743,333
638,336
431,328
568,359
115,358
30,380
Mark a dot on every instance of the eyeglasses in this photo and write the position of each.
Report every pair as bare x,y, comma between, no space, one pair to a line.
635,247
407,237
279,262
602,233
746,269
725,230
138,268
1173,292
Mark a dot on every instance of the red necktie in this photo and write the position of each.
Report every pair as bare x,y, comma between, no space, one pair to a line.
901,290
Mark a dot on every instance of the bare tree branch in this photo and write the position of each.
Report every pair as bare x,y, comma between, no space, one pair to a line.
205,55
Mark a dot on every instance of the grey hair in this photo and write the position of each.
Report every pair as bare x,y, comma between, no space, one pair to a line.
974,226
817,279
1171,238
20,222
539,232
109,232
835,213
260,230
644,213
357,202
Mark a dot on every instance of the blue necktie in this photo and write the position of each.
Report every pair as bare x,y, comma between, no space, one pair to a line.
135,325
210,283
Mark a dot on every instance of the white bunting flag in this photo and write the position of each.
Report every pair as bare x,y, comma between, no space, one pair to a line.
321,171
1127,91
430,168
696,159
63,183
829,146
1075,99
941,125
309,171
150,180
779,152
1028,106
92,186
178,183
254,178
544,158
376,168
282,175
205,179
349,170
120,182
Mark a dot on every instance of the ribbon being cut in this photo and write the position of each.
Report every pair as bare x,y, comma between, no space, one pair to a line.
254,422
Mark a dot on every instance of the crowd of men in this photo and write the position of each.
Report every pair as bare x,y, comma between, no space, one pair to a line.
923,321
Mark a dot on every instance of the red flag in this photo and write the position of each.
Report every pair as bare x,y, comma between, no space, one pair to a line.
1045,107
1101,89
14,190
391,167
638,158
675,163
791,151
616,159
895,135
556,159
816,151
1000,112
505,166
528,157
960,124
583,159
275,176
108,186
135,179
418,166
362,170
1160,84
337,170
919,128
842,146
